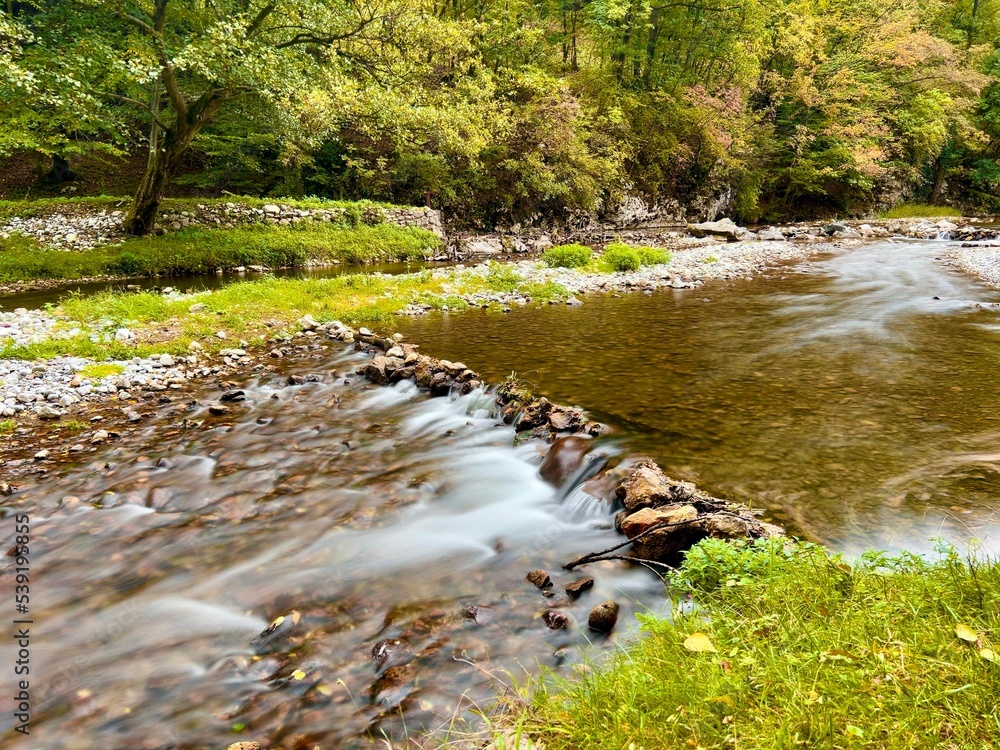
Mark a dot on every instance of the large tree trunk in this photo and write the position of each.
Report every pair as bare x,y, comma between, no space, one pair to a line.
939,170
146,203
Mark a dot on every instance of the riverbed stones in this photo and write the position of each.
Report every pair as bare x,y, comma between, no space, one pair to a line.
604,617
539,578
564,459
580,586
648,487
246,746
556,620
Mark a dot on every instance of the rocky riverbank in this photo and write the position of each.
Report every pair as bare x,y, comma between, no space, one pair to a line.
980,259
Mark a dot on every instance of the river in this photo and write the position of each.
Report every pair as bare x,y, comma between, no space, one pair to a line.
853,397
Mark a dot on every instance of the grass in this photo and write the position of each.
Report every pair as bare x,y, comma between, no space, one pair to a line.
200,250
919,211
7,426
256,310
790,646
100,370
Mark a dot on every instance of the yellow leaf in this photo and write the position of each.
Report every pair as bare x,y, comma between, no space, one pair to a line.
721,699
966,633
988,654
699,642
325,689
298,674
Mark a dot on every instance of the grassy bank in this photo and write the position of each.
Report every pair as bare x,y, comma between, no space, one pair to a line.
792,647
257,310
199,250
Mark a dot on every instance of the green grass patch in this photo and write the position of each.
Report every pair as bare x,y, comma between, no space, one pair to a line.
798,649
567,256
7,426
201,250
100,370
919,211
72,425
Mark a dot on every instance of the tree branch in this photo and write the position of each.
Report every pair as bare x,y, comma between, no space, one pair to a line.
142,105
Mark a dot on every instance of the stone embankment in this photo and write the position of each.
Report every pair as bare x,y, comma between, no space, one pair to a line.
89,229
519,241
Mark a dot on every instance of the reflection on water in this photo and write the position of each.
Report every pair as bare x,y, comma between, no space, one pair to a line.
364,516
854,397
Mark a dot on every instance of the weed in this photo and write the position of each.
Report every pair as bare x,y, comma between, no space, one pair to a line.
100,370
7,426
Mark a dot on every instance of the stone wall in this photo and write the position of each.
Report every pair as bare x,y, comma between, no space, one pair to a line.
82,231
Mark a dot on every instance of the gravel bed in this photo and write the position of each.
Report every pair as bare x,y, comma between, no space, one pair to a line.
982,261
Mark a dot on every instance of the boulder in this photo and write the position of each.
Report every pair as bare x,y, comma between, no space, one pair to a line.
770,235
562,418
831,229
724,228
648,487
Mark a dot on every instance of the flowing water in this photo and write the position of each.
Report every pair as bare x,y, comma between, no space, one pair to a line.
364,516
854,397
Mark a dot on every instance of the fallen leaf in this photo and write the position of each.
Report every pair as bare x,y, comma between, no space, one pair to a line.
988,654
966,633
699,642
298,674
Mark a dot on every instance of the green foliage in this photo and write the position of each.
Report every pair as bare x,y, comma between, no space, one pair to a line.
503,278
7,426
791,646
97,371
199,250
620,257
567,256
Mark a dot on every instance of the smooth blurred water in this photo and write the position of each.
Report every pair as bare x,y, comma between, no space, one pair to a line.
854,397
364,513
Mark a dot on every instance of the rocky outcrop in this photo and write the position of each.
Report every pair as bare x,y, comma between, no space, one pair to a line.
727,229
664,517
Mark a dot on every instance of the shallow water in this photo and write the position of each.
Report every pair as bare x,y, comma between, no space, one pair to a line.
839,395
359,514
37,299
854,397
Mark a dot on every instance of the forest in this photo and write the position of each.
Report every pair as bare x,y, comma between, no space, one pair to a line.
514,111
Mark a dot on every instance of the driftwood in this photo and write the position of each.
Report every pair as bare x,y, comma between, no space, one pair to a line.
606,553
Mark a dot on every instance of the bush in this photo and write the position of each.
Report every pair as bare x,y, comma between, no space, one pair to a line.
653,256
619,257
567,256
503,278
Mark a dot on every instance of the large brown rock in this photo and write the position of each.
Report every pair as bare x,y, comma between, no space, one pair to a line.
564,459
646,518
648,487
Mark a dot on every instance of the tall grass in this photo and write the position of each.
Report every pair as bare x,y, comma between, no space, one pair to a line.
792,647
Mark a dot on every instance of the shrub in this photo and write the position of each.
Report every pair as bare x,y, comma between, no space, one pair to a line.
567,256
503,278
619,257
653,256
